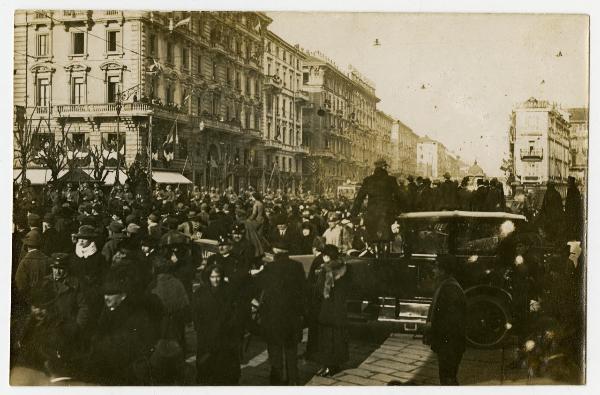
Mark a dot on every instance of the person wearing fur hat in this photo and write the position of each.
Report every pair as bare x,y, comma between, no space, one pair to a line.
334,283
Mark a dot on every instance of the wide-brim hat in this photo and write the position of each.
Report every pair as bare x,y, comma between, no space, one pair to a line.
86,232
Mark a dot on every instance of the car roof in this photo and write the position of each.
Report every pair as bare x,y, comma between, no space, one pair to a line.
463,214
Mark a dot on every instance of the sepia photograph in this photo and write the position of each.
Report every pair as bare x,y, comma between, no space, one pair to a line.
298,198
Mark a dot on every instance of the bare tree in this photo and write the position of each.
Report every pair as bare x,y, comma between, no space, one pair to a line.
23,131
55,154
99,157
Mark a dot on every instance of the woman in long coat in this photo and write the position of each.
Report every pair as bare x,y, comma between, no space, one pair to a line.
335,283
254,225
217,359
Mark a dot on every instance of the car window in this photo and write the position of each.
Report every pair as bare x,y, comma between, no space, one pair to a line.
475,236
426,236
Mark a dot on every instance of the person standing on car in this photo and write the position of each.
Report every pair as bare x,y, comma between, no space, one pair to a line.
446,319
384,203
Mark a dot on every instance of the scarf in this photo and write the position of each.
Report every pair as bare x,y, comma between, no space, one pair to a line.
85,252
334,270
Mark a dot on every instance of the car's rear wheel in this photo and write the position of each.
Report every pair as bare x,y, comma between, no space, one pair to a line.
487,321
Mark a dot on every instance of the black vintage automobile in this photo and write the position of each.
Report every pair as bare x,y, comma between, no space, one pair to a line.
398,288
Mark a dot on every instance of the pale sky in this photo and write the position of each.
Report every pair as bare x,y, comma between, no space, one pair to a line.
475,68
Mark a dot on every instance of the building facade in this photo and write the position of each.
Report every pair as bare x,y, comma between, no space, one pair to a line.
404,146
540,142
339,124
284,100
383,135
579,120
182,90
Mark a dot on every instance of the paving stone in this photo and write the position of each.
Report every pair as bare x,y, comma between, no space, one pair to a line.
386,378
403,367
385,351
376,368
318,380
360,380
371,359
404,358
357,372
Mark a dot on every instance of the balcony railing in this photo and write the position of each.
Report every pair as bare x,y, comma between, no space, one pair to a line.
302,96
532,154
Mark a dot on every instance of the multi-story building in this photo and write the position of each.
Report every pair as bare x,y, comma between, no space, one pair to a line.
404,146
434,159
429,157
338,124
579,120
539,142
182,88
383,135
364,151
284,100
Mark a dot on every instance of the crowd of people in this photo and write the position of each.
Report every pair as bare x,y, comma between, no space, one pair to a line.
105,281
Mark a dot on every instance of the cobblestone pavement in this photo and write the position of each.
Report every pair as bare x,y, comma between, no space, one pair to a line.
378,356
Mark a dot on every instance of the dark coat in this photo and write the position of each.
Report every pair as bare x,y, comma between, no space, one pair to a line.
464,199
31,272
411,196
243,251
478,198
53,241
290,237
217,361
383,193
123,336
574,213
90,272
333,332
283,302
447,317
447,198
71,305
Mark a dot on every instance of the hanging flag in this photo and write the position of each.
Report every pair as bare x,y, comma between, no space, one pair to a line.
182,22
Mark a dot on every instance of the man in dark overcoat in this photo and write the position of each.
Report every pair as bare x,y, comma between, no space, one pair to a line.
573,211
446,320
384,202
283,304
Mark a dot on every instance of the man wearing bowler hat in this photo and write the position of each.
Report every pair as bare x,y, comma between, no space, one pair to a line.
384,201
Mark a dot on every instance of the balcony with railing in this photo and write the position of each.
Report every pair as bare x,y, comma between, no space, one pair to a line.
536,154
75,15
325,153
302,96
106,110
212,122
273,82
